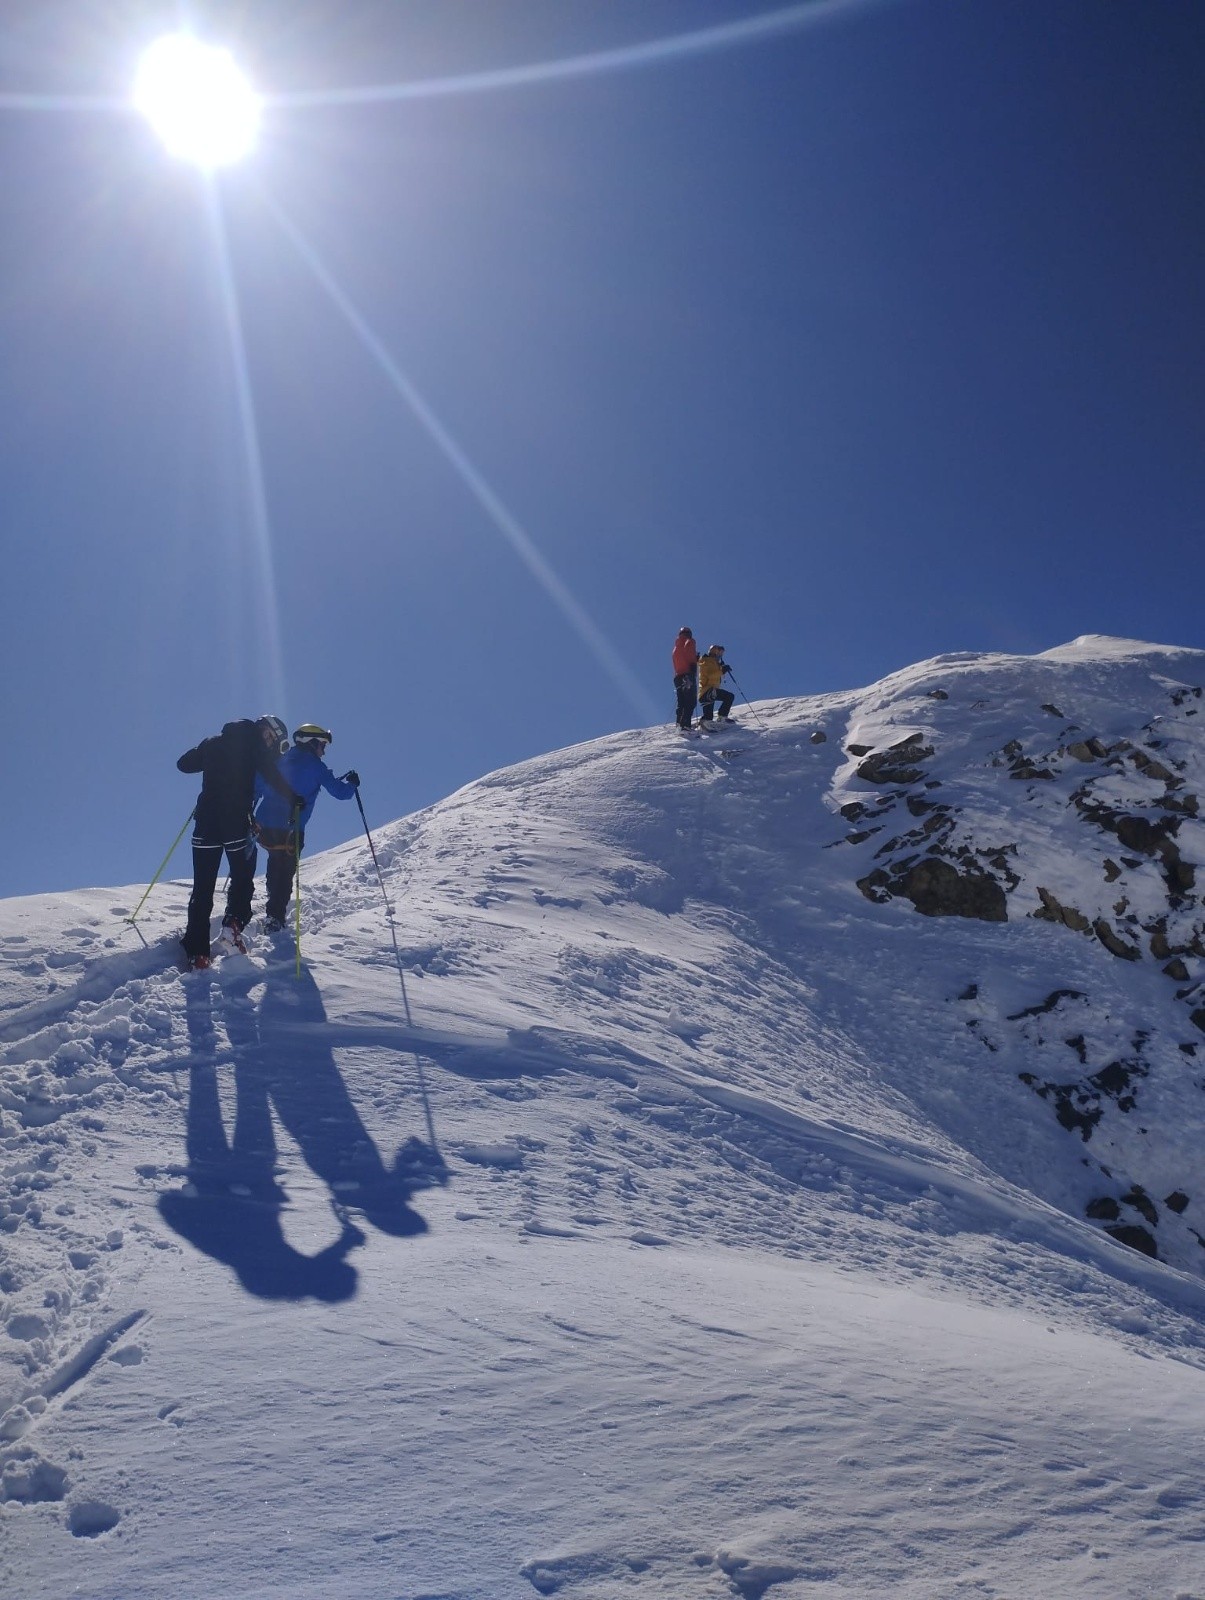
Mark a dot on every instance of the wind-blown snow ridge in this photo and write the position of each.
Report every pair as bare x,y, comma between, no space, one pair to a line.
759,1152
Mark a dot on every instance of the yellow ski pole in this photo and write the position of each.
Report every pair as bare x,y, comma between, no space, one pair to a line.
133,916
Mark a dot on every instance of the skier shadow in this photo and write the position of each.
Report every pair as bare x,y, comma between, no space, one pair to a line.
232,1209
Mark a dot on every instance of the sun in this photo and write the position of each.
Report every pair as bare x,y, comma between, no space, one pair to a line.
197,100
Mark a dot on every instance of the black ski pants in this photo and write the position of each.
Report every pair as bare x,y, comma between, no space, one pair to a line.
710,696
687,691
283,847
206,863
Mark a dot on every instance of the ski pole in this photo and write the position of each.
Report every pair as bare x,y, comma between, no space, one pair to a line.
397,956
745,698
297,884
133,917
372,847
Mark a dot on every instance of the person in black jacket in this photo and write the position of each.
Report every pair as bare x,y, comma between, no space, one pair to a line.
228,763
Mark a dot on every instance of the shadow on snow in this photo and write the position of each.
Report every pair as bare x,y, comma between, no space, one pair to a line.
232,1209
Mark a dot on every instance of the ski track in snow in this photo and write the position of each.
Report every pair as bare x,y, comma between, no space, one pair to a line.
647,1018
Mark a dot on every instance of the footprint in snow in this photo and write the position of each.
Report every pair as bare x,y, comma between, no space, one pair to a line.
128,1355
88,1519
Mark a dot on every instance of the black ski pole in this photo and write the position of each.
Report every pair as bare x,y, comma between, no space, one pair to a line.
372,847
745,698
397,956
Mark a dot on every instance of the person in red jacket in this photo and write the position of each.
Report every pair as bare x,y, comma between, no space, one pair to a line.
686,661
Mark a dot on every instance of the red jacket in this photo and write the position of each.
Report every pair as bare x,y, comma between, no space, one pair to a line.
686,654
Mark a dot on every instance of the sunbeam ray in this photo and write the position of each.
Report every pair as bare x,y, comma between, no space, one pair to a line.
269,680
787,19
519,540
64,102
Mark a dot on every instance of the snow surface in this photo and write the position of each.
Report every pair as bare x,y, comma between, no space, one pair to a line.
651,1220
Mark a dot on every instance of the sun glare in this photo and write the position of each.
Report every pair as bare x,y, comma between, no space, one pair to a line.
197,100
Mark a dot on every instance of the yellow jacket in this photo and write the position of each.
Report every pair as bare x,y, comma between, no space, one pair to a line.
710,672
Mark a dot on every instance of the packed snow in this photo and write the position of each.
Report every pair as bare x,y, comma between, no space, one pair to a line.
621,1201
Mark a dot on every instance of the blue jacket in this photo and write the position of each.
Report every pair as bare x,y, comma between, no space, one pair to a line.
306,773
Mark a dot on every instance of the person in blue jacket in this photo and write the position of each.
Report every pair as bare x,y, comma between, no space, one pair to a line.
280,830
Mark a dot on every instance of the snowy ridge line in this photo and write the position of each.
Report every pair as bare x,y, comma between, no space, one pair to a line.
904,1164
1046,1224
392,1034
546,1047
1052,1227
541,1047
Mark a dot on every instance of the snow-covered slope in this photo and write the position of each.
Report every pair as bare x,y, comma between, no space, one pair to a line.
742,1177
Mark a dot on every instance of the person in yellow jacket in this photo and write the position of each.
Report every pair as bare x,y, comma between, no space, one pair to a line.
712,670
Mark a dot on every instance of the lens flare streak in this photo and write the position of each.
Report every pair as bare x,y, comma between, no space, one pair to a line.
266,602
16,101
606,654
749,30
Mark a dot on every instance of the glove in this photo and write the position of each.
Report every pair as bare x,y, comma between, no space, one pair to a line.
725,670
353,777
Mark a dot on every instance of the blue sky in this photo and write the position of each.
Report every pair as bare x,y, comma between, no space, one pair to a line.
877,334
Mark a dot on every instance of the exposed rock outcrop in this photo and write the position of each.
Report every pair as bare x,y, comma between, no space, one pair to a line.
1137,1237
937,888
1114,943
1053,911
895,766
1102,844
